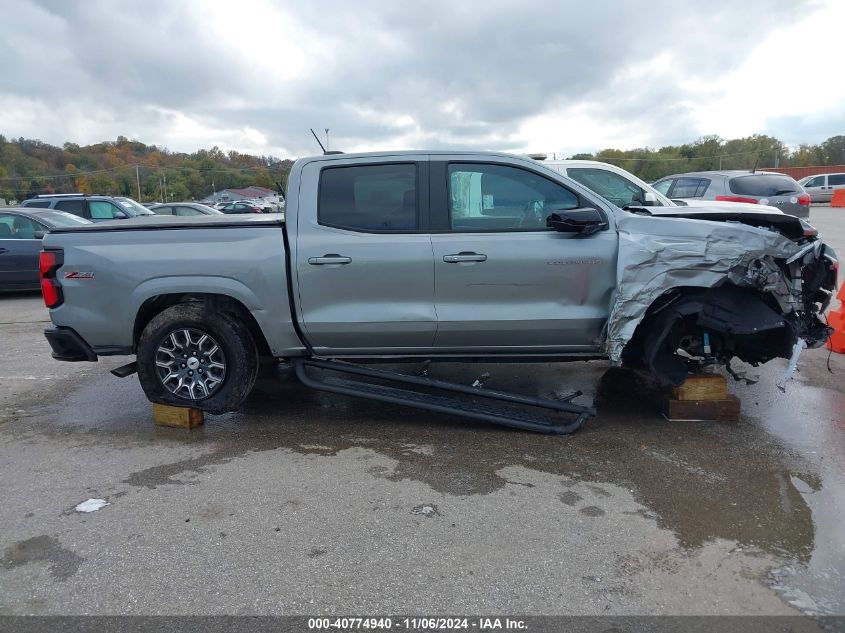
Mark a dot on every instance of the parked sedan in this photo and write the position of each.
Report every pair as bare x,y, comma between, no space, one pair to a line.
241,207
21,231
756,187
821,187
184,209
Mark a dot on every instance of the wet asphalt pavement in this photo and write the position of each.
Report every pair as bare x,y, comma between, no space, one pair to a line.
308,503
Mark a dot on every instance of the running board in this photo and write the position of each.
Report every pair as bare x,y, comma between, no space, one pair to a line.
450,404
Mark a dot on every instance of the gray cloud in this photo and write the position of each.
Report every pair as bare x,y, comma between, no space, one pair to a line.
379,74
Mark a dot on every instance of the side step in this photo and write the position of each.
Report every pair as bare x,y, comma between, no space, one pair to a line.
452,403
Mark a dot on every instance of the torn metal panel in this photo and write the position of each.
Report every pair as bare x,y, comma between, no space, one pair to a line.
657,255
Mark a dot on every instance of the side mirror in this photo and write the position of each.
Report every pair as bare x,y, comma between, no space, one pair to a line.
119,215
38,235
649,199
583,221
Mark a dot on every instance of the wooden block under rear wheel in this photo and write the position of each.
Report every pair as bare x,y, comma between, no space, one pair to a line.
179,417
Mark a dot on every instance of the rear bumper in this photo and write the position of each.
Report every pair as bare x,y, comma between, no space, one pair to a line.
68,345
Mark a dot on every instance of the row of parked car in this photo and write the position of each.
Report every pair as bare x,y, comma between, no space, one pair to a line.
21,228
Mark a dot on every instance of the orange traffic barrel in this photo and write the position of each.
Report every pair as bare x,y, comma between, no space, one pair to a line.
838,199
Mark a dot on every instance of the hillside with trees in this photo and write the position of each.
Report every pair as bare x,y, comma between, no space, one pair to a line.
29,167
712,152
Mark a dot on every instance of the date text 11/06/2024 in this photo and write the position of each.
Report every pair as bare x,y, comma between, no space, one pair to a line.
419,623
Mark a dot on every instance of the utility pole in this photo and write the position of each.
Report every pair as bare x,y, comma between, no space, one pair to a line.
165,187
138,182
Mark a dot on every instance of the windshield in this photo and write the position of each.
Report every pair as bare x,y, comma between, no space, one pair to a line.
611,186
132,207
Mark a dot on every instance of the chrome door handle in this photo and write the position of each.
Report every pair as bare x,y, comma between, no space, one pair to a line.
331,258
464,257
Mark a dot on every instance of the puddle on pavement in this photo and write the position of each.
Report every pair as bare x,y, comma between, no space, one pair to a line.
756,482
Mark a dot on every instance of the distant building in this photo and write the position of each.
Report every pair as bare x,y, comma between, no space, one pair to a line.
800,172
232,195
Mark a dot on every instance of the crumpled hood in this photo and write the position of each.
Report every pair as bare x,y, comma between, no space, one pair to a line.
657,254
750,214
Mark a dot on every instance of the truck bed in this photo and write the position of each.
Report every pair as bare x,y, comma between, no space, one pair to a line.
112,272
144,223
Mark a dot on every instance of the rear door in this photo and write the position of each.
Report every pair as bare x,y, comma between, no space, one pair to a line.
19,250
363,256
504,282
834,182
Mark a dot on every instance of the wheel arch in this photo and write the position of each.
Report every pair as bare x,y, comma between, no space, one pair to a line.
219,302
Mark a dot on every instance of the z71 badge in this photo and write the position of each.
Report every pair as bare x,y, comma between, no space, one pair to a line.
80,275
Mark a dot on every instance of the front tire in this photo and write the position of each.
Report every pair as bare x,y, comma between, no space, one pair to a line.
190,355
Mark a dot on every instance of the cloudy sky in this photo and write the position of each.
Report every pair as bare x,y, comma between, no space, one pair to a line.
554,76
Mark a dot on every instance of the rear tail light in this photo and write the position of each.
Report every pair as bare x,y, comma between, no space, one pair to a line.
736,199
804,200
256,210
48,263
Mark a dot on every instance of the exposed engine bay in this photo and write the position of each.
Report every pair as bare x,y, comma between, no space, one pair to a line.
752,288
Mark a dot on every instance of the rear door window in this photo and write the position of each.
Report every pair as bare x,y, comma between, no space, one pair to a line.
369,198
836,180
76,207
763,185
187,211
690,187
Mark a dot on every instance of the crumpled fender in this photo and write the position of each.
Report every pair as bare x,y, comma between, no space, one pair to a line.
657,255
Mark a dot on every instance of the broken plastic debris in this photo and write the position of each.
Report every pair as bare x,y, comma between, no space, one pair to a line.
800,346
91,505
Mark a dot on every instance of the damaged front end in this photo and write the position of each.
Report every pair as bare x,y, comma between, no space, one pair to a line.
695,293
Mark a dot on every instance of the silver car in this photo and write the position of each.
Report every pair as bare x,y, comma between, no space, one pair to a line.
821,187
756,187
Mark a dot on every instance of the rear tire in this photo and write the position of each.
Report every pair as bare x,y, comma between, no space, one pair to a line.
222,366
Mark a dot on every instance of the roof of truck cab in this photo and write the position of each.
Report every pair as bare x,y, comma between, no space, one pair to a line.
416,152
141,223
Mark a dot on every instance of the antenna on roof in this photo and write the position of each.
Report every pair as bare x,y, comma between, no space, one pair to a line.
317,138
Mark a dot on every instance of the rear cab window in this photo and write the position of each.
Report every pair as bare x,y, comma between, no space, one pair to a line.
763,185
835,180
38,204
369,198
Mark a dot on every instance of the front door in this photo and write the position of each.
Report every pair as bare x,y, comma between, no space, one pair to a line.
363,257
504,281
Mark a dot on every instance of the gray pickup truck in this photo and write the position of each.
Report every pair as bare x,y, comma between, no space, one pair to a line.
433,255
